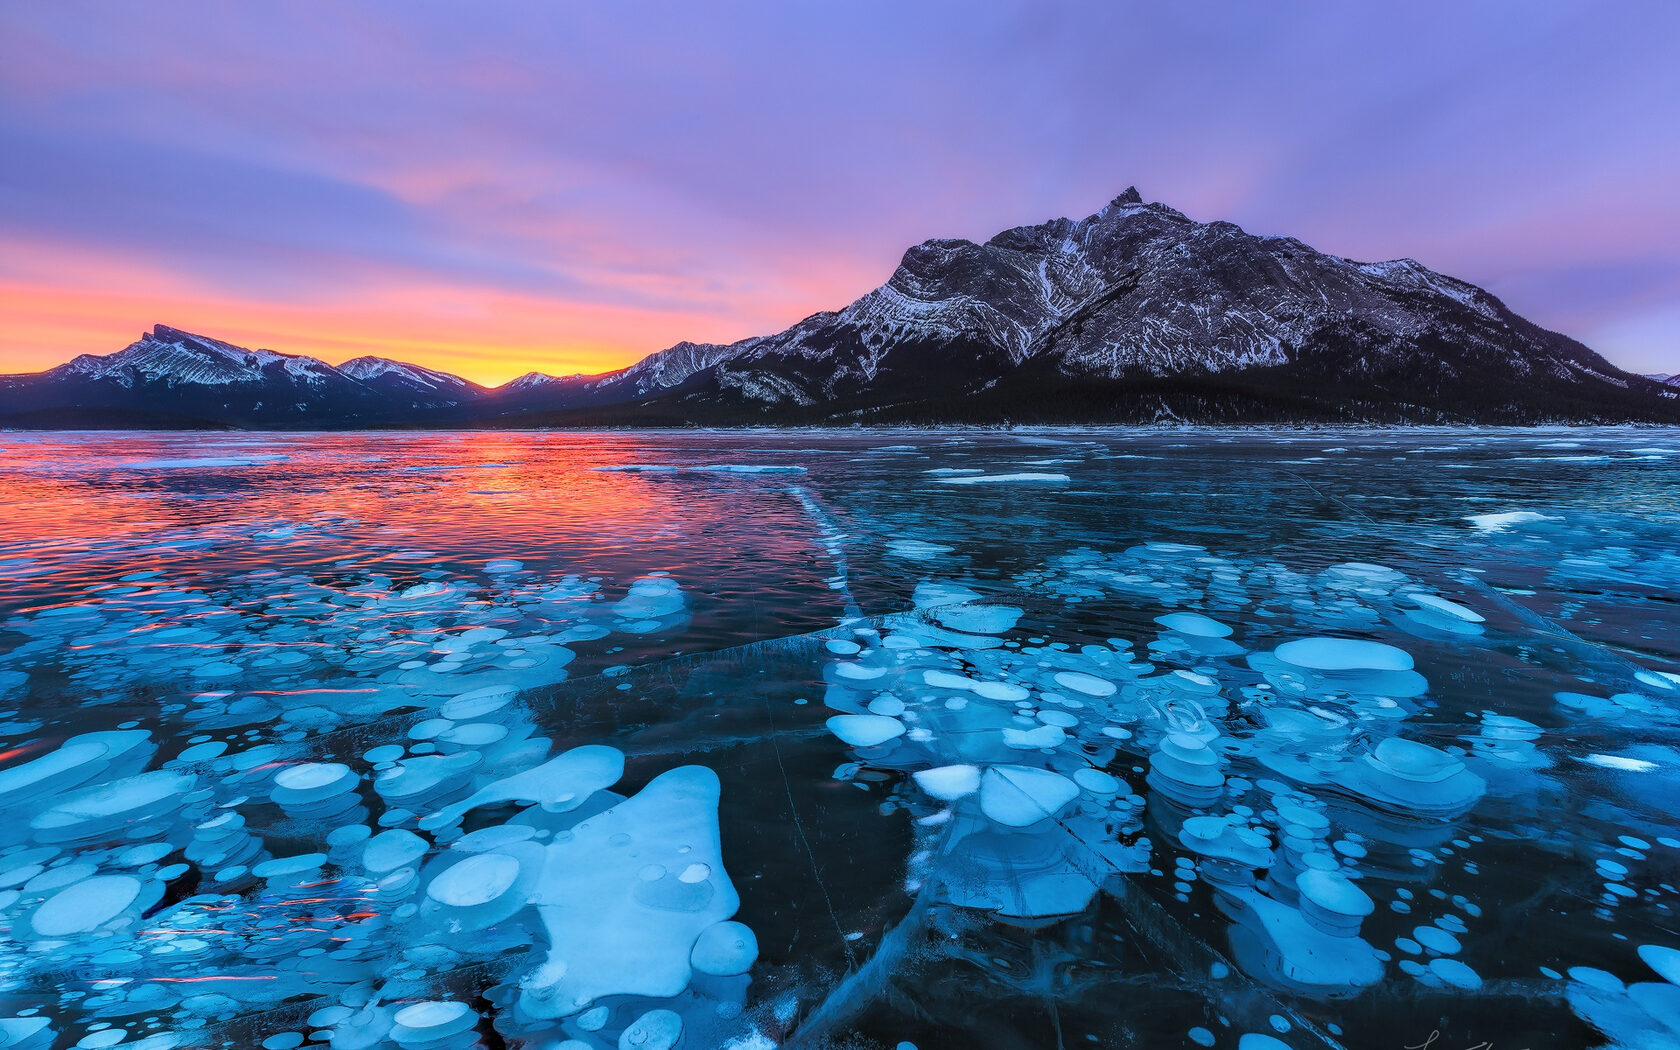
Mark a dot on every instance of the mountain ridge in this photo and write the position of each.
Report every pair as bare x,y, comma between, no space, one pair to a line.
1135,313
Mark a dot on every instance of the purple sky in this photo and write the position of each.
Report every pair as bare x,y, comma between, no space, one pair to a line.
495,187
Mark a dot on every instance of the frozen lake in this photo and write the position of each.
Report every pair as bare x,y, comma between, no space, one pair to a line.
1070,739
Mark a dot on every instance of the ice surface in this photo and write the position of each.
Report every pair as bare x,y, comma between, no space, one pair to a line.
302,772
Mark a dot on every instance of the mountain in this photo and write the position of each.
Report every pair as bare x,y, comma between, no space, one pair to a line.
423,387
1138,313
1668,380
1133,314
173,378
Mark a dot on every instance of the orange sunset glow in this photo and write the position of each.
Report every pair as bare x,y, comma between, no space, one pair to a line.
484,334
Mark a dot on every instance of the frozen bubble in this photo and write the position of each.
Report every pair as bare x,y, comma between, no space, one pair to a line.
886,704
97,809
1623,763
1031,739
560,784
1020,796
654,1030
1200,1036
424,1023
650,598
1331,902
150,853
949,783
1503,520
1455,973
1340,655
86,905
281,867
392,849
312,782
594,1020
1096,781
695,873
1260,1041
1194,624
14,1030
1436,940
475,881
1008,692
1593,977
76,761
1447,608
494,837
917,550
1087,684
865,730
977,619
724,950
474,734
477,703
996,479
1664,960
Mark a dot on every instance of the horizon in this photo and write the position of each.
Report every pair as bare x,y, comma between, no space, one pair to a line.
567,190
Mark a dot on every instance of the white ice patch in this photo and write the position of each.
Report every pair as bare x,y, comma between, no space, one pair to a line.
1503,520
1000,479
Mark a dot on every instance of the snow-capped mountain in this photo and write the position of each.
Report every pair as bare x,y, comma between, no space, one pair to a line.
1138,311
423,385
174,378
175,358
530,381
1134,313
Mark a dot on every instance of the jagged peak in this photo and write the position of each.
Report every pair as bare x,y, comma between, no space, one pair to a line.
1131,202
162,333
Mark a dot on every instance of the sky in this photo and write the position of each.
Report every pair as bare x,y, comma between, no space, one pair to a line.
519,185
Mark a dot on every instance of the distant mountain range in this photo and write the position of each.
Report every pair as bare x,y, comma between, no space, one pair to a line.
1133,314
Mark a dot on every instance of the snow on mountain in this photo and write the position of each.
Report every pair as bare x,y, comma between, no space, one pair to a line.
530,381
410,378
174,357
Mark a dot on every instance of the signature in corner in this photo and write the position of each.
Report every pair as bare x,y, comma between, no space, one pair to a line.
1429,1044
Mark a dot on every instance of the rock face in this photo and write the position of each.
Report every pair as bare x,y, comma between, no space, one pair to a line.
1133,314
